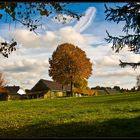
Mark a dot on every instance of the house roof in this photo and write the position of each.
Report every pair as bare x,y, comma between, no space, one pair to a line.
51,85
12,89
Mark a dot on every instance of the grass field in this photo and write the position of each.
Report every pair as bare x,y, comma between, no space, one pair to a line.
98,116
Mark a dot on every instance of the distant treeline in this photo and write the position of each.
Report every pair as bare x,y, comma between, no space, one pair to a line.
133,89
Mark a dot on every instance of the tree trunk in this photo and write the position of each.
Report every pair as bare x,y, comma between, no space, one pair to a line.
71,86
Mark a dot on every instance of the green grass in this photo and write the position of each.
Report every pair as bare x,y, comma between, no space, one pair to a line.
97,116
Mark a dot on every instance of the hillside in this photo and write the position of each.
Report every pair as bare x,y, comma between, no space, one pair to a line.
98,116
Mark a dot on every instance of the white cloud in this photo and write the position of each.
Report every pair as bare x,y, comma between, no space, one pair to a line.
30,62
64,34
117,73
52,39
26,38
25,71
108,61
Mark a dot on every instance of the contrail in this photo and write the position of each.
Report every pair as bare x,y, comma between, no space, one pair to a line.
86,20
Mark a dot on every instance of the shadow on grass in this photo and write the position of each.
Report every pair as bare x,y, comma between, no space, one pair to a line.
110,128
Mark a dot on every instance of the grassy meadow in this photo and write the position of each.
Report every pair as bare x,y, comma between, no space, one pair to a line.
96,116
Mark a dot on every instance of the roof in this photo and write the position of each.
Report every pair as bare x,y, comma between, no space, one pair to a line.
51,85
12,89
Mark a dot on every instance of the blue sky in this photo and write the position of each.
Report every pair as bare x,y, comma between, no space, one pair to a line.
30,62
81,7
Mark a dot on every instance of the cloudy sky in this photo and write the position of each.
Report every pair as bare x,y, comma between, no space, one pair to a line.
29,63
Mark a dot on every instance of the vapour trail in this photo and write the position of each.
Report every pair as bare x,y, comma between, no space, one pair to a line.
86,20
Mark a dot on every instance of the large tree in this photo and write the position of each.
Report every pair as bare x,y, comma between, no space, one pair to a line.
30,14
129,14
69,64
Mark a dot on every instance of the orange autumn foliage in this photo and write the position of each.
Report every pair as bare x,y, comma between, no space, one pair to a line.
69,63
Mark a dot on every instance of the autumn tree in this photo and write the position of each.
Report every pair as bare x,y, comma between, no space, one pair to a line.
129,14
29,14
69,64
81,83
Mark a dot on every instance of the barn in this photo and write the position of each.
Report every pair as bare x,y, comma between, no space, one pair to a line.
48,89
10,93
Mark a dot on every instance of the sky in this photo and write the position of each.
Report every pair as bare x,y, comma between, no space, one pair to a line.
26,66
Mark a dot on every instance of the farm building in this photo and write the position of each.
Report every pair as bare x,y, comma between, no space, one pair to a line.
105,91
78,92
10,93
48,89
